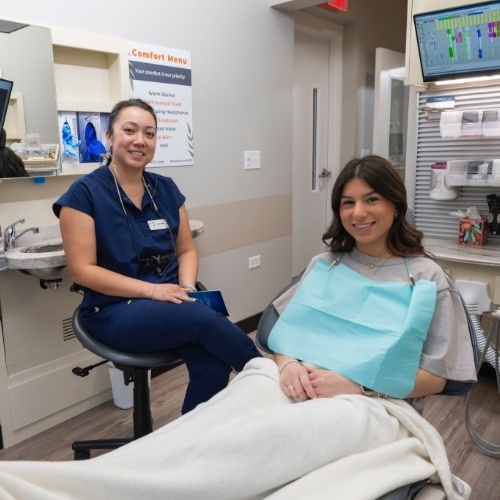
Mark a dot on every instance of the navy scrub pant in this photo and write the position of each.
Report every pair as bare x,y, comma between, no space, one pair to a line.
207,341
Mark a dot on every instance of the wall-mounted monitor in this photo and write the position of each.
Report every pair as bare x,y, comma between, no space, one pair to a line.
5,91
459,42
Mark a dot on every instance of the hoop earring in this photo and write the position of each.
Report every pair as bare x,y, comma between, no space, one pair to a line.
105,159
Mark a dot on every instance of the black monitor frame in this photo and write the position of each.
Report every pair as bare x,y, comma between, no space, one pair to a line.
458,68
5,92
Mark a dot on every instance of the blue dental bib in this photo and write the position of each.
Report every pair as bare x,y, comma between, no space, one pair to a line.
372,333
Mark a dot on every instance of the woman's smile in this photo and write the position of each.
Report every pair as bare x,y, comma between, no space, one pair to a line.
362,227
367,217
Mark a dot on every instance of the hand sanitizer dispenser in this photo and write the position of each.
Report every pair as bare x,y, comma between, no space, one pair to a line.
439,190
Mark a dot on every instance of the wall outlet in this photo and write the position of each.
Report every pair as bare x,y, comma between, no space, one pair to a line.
254,262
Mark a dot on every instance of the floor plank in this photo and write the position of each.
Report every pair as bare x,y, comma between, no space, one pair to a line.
467,461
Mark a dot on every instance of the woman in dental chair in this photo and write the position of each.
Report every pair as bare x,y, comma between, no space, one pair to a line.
373,325
384,318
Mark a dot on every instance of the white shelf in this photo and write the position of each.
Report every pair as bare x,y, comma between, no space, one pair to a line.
473,173
91,71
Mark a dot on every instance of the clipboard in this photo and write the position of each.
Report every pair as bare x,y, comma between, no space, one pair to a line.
212,299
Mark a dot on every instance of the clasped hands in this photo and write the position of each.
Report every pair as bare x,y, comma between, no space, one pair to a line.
169,292
304,382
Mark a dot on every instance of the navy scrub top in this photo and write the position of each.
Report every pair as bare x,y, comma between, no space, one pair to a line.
96,195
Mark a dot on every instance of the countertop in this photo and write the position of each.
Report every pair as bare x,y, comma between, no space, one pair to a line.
17,258
488,255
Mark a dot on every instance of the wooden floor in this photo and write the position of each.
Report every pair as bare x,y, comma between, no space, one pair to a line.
482,472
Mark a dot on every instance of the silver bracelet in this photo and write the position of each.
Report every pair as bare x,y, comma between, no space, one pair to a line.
187,285
280,369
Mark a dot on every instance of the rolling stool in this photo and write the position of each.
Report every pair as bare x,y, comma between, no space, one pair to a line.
135,367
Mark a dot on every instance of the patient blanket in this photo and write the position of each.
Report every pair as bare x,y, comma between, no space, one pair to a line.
251,442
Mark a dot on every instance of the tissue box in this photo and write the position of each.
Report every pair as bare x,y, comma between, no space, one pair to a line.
472,232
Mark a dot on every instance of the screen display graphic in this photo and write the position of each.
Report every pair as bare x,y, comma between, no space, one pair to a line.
459,42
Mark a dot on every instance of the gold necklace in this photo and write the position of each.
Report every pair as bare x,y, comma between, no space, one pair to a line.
116,175
371,265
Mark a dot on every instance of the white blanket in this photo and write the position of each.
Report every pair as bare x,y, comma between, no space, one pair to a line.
252,442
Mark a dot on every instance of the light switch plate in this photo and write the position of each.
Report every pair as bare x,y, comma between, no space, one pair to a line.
252,160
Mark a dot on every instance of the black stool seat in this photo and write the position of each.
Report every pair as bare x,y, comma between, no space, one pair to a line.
137,359
135,367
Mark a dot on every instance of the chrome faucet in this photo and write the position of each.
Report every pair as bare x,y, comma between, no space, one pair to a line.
10,235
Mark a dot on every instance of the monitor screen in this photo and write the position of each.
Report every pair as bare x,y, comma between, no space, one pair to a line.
5,90
459,42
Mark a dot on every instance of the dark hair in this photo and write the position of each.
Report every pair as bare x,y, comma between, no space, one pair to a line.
10,164
380,175
120,106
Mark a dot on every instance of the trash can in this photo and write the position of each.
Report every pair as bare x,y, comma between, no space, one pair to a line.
123,395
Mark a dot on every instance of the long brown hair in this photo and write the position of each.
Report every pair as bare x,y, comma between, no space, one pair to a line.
382,177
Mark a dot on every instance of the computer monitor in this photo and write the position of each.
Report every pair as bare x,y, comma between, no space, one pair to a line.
459,42
5,91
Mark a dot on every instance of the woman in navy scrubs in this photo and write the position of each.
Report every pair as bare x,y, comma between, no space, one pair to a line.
128,245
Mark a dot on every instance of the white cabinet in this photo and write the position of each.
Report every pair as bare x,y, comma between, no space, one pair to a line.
37,387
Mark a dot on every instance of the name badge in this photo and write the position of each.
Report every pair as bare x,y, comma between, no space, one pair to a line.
155,225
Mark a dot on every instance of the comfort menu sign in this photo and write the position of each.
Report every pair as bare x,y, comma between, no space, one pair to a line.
162,77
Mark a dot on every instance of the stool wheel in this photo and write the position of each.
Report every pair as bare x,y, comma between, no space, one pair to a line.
82,455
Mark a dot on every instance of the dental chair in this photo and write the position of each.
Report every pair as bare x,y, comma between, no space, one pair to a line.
422,490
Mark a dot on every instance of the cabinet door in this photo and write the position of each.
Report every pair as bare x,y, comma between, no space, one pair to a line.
390,108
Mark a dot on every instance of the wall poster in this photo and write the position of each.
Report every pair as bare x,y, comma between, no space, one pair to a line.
162,77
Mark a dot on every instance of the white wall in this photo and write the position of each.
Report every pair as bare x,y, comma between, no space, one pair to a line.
242,60
367,25
242,54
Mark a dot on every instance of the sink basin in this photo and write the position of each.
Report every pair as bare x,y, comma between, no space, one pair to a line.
197,227
40,255
43,248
